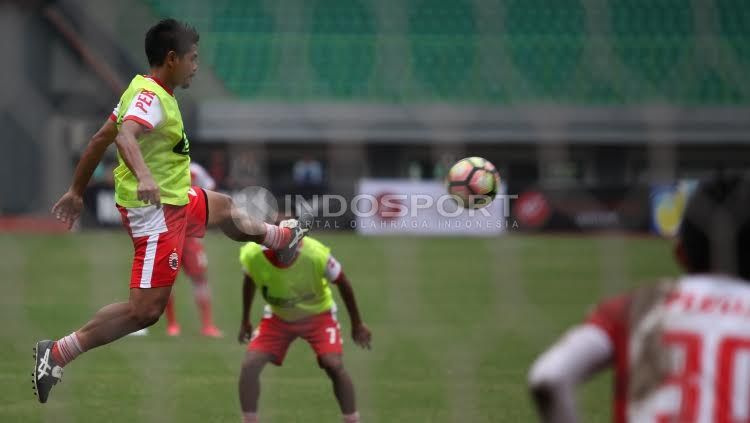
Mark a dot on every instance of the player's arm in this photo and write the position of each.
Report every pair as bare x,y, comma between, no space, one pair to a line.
127,144
248,294
579,354
92,155
360,332
68,208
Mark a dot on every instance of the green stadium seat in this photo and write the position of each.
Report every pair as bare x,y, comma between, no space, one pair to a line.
545,41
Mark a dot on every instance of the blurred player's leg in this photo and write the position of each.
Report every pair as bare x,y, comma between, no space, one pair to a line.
239,226
250,383
195,266
235,223
202,294
343,387
323,333
173,328
269,343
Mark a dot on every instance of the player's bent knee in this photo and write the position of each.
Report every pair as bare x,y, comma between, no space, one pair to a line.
331,363
147,319
254,362
147,316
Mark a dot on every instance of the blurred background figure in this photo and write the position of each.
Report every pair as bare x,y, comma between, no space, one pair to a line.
687,334
195,267
243,169
308,176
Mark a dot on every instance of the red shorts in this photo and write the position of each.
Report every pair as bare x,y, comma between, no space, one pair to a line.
194,260
274,335
158,235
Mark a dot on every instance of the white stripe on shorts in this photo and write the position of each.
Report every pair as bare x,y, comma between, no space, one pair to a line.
148,260
146,221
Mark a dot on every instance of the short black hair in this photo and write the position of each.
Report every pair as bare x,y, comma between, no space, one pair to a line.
715,229
169,35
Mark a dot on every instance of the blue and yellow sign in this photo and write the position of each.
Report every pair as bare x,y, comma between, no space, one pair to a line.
668,205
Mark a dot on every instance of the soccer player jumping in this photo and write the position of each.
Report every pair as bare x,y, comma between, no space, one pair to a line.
679,348
297,289
159,207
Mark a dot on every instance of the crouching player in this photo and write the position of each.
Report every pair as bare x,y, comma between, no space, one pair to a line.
300,304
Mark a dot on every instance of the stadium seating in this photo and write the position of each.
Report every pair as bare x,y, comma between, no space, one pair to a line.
497,52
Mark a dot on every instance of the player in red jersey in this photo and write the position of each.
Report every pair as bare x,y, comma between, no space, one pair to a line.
680,348
195,266
159,207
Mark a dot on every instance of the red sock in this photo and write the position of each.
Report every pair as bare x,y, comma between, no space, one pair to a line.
56,353
205,309
276,237
66,349
171,319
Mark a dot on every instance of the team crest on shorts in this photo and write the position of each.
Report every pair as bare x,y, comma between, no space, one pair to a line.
174,260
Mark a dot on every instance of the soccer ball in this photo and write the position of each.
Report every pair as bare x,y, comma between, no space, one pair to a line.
473,182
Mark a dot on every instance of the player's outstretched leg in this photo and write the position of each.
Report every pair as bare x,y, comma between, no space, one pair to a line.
252,365
343,387
239,226
108,324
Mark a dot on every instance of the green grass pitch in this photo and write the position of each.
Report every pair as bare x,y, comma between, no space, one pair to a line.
456,324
